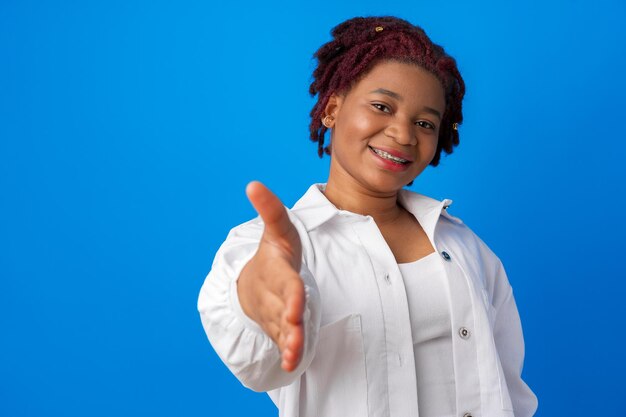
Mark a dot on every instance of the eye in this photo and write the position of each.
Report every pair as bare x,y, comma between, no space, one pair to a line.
425,124
381,107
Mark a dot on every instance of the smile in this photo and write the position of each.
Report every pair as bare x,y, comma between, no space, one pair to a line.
388,156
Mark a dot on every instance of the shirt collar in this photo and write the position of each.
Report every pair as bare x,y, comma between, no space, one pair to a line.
313,208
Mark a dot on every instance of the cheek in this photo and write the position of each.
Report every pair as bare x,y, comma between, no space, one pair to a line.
428,150
428,144
434,144
363,123
357,125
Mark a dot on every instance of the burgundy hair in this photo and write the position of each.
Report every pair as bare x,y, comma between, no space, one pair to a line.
358,44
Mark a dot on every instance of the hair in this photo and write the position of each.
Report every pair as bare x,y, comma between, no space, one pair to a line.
360,43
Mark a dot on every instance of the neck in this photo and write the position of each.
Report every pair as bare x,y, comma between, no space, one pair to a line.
347,194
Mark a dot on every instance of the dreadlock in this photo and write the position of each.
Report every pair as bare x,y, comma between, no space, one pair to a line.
361,42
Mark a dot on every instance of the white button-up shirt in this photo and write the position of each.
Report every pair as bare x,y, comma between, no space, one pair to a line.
358,351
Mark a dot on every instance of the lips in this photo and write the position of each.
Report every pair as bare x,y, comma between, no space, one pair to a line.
392,154
388,162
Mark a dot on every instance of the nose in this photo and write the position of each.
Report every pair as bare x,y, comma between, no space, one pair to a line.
402,132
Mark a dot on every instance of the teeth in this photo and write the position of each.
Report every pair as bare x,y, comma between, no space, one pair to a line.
389,156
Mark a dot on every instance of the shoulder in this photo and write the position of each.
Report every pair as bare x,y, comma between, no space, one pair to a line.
254,227
250,232
474,254
451,227
250,228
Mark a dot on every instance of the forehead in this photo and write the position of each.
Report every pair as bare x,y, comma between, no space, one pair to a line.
411,81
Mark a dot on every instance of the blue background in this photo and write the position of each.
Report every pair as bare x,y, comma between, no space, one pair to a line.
128,131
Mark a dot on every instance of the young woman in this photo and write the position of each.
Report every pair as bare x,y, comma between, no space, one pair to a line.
366,299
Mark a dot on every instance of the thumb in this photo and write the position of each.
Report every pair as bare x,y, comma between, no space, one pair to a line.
270,208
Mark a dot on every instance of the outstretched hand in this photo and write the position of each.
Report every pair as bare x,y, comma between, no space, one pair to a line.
270,289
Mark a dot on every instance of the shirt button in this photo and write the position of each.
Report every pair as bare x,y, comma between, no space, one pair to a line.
467,415
387,279
446,256
464,333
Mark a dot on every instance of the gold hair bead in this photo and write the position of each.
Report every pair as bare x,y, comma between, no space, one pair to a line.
455,126
379,29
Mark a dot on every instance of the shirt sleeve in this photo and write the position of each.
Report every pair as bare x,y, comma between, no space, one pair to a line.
241,344
509,342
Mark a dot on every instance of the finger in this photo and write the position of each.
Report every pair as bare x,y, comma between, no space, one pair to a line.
294,296
294,339
289,337
270,208
283,308
292,354
273,312
293,329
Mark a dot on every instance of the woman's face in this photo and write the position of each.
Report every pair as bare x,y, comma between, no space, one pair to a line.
386,127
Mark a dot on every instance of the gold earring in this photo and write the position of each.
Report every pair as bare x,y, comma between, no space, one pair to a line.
455,126
327,121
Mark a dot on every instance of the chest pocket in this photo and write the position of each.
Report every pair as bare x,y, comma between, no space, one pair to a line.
335,384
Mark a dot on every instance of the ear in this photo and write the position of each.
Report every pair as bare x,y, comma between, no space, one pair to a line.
333,106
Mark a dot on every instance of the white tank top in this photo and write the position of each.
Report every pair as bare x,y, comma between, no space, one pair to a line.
429,311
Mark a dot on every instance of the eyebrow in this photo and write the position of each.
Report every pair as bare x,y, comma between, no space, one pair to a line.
398,97
388,93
